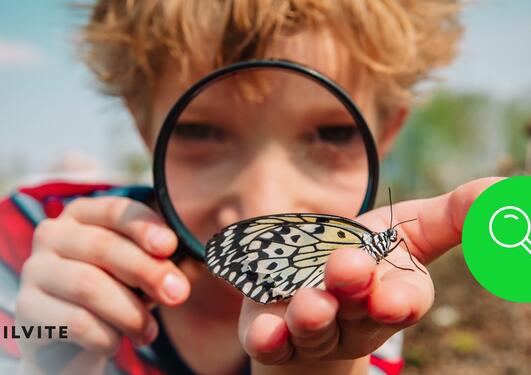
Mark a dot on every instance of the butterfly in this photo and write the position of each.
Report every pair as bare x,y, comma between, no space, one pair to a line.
268,258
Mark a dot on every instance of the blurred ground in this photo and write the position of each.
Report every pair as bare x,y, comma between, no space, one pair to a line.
468,330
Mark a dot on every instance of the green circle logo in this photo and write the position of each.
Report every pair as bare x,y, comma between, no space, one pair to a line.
497,239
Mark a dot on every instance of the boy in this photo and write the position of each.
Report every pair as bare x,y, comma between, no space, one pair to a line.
88,252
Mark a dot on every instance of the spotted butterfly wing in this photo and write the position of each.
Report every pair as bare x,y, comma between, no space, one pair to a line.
269,258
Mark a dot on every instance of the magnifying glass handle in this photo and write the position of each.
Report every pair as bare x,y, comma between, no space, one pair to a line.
180,252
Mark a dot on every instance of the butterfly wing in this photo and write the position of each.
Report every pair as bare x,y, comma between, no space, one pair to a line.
269,258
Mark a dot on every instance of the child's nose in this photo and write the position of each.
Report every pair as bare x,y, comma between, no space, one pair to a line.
270,183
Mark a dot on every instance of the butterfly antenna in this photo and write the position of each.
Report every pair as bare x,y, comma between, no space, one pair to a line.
405,221
390,205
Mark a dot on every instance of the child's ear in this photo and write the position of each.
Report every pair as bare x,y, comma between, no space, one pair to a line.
391,127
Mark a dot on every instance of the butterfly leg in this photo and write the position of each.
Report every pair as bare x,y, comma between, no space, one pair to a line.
409,252
394,265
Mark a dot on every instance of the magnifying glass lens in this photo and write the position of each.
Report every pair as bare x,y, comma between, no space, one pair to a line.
264,141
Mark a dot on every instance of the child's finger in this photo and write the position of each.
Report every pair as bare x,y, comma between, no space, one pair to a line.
127,217
36,307
264,333
439,220
93,289
117,255
350,276
401,298
267,340
311,319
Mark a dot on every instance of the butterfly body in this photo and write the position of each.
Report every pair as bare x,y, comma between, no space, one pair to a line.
378,244
269,258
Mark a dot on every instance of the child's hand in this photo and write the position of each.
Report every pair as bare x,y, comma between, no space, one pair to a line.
82,266
363,304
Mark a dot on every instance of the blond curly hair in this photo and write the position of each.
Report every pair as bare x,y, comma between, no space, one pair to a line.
399,42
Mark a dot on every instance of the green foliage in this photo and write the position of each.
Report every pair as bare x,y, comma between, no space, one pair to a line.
518,115
136,165
416,355
453,138
464,342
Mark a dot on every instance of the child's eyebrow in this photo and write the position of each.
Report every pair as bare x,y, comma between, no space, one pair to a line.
321,107
204,106
316,104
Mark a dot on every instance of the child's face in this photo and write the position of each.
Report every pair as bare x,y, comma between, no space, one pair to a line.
295,149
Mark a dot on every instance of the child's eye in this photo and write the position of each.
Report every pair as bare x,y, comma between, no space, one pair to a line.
198,132
336,134
332,146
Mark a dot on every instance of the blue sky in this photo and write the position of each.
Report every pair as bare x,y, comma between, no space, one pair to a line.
48,103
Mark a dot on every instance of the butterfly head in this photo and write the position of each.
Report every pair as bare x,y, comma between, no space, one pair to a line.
392,234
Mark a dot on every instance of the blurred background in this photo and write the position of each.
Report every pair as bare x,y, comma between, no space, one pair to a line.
476,122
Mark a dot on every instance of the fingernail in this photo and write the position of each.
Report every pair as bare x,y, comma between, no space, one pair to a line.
151,331
278,340
173,287
159,237
394,319
352,289
318,327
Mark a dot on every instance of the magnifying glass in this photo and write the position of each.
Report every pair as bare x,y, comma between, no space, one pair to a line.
239,139
510,227
241,136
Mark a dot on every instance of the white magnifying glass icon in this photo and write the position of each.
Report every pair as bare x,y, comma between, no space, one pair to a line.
517,214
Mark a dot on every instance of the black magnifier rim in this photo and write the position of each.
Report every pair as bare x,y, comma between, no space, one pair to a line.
187,240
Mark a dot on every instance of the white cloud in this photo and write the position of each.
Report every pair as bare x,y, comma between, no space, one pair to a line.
19,53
